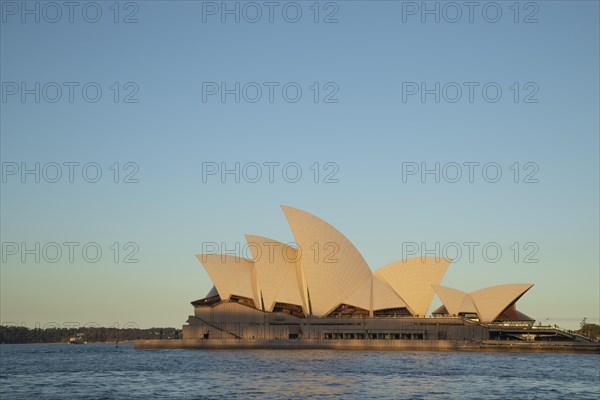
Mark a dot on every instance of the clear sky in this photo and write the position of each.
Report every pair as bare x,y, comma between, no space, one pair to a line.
508,92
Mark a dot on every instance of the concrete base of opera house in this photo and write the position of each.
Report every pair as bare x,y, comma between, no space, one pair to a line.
231,325
369,344
359,344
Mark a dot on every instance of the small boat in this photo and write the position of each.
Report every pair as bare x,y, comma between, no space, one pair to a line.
77,339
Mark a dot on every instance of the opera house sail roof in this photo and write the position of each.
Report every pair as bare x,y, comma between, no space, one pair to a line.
488,303
323,274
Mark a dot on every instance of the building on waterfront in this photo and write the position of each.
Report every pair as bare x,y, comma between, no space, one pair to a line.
321,288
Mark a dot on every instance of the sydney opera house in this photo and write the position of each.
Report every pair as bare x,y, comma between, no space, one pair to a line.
321,293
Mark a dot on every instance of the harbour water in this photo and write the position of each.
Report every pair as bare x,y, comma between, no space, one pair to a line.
96,371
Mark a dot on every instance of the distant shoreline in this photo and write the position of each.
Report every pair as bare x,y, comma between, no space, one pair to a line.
24,335
67,342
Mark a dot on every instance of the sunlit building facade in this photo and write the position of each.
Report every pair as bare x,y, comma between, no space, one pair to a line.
321,288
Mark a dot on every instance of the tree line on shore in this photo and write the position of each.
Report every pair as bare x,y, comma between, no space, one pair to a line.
22,334
589,330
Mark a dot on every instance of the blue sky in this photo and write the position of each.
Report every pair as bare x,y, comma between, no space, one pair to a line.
368,58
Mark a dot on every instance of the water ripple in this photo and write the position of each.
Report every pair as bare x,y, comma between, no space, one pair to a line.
60,371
